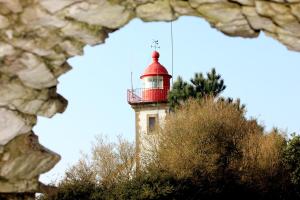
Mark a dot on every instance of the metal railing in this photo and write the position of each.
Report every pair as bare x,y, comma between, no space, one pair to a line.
146,95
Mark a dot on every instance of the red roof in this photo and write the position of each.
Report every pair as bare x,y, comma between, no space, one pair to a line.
155,68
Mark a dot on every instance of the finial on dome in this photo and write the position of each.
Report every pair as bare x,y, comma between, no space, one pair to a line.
155,55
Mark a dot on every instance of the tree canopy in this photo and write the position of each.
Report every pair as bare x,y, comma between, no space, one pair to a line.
207,150
199,87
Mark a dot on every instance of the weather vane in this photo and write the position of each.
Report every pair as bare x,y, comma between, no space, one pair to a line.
155,45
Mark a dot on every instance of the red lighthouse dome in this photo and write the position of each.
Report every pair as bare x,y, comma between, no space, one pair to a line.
156,81
156,84
155,68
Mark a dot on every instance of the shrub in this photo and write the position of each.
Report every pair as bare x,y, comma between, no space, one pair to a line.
212,142
205,136
292,158
92,177
207,150
262,167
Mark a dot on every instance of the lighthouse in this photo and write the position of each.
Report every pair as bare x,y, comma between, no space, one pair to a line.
150,104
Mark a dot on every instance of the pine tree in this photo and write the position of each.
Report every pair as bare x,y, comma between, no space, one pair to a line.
200,87
180,92
237,103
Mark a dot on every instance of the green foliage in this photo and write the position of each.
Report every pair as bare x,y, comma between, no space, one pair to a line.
211,141
208,150
212,85
180,92
73,190
236,103
147,185
292,159
200,87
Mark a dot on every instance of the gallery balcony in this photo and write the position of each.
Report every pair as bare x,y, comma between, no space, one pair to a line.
147,95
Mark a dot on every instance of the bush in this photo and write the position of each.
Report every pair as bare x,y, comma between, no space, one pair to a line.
210,135
212,142
207,150
92,177
73,190
292,158
262,167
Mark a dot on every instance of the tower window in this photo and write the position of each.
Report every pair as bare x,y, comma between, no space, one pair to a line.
154,82
152,123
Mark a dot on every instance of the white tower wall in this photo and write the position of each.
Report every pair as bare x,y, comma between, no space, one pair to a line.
146,137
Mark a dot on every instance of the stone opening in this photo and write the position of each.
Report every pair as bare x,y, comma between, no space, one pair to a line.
38,36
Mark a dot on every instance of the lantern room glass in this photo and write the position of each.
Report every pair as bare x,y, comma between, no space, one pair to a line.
153,82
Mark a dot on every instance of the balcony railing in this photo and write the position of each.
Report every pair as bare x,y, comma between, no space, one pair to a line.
146,95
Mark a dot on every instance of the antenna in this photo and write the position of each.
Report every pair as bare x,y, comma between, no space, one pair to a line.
155,45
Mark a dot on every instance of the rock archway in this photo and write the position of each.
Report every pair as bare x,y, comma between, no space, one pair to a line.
38,36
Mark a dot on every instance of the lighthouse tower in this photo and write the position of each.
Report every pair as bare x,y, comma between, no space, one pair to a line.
151,106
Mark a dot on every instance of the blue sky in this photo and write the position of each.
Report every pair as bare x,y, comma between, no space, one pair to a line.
261,72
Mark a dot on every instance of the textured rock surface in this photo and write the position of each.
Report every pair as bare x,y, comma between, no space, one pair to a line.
22,160
38,36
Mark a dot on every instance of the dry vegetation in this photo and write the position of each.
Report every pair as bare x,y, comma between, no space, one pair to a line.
207,136
109,163
207,150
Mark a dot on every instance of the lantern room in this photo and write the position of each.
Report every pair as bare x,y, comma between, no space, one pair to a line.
155,84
